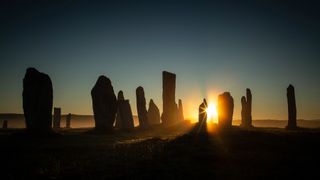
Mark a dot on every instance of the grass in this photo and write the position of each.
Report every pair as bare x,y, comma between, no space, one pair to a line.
178,152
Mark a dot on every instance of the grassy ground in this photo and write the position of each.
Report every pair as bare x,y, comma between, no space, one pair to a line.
179,152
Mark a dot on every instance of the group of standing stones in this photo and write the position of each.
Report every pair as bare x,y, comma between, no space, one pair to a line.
226,105
106,106
38,102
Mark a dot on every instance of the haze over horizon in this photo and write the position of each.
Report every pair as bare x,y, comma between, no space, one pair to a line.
212,46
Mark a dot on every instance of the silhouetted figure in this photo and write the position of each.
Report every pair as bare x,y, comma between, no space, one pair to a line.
180,111
124,120
118,117
203,115
5,124
169,115
246,103
292,110
104,103
37,101
68,121
153,113
141,108
56,118
225,110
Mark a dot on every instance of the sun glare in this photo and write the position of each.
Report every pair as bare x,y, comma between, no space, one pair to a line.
212,113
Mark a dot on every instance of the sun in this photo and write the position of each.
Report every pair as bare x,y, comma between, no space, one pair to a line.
212,113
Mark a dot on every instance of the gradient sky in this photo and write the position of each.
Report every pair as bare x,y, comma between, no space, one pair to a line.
212,46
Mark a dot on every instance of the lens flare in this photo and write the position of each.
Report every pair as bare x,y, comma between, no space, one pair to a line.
212,113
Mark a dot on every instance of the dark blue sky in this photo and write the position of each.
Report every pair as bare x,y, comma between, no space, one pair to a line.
212,46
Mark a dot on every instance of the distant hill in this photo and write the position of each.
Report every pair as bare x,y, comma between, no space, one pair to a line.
80,121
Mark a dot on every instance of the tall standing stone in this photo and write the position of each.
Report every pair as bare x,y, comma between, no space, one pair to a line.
246,111
68,121
202,118
292,109
169,115
37,101
225,110
104,103
153,113
126,115
180,111
56,118
124,120
141,108
118,117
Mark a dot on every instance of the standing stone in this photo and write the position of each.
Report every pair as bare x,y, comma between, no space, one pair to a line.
118,117
124,120
104,103
292,109
153,113
180,111
5,124
56,118
203,113
169,115
225,110
246,103
68,121
244,112
141,108
37,101
126,115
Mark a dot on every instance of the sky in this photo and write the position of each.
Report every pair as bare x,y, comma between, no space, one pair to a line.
212,46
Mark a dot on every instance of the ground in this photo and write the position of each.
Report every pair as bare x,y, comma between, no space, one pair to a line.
179,152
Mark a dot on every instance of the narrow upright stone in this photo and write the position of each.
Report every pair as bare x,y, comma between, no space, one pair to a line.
118,117
124,120
292,110
180,111
37,101
249,106
126,115
104,103
141,108
203,113
169,115
244,112
225,110
153,113
246,103
56,118
68,121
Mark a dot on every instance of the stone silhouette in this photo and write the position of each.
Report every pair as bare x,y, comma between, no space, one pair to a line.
180,111
141,108
169,115
56,118
246,103
124,120
37,101
5,124
225,110
118,117
203,113
68,120
292,109
104,103
153,113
